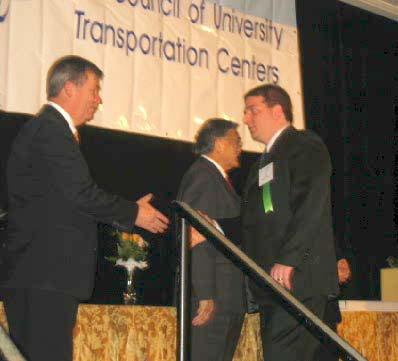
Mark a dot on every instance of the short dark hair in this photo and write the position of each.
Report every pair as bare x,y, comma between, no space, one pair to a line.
210,130
274,94
69,68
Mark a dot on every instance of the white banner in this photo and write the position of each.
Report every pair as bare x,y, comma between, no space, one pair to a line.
168,64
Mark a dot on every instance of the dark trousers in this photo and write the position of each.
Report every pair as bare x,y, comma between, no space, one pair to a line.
41,323
217,340
286,339
327,352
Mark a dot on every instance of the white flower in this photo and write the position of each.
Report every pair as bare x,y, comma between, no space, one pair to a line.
131,263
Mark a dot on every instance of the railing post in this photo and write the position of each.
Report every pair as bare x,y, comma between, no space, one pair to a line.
184,318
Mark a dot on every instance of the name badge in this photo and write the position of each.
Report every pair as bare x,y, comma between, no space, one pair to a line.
266,174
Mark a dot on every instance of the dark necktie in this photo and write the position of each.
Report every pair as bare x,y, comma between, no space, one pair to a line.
265,158
229,183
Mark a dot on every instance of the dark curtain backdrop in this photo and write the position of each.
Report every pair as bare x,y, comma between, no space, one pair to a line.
350,80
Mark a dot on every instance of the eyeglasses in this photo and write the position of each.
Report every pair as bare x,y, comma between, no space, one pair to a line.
255,109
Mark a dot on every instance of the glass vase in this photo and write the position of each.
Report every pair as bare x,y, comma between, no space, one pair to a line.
130,296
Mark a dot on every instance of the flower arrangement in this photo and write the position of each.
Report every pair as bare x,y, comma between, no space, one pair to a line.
131,254
131,251
392,261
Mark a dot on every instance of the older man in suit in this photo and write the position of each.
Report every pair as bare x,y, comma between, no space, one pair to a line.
286,221
217,295
54,206
10,124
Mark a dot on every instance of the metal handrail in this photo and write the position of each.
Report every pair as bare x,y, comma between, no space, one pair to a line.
249,267
8,350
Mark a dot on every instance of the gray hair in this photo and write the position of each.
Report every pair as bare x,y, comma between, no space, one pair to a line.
207,134
69,68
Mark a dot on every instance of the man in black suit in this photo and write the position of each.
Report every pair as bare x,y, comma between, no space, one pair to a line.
54,206
332,315
217,294
10,123
286,221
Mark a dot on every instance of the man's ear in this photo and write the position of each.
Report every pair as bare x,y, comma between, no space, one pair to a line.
277,111
69,88
218,145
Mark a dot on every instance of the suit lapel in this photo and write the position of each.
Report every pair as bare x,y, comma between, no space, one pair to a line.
261,162
219,177
275,156
280,143
50,112
252,178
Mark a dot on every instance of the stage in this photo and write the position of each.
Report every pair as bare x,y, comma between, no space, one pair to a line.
148,333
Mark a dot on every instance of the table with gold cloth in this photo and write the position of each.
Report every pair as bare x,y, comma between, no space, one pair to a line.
148,333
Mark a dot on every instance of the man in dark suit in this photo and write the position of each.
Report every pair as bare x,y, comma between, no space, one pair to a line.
286,221
217,294
332,315
10,123
54,206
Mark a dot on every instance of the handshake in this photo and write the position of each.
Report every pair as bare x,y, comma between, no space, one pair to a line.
152,220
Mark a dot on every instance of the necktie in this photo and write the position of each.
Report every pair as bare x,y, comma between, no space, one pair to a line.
265,158
229,183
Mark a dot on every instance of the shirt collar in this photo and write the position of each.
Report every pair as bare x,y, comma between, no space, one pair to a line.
221,169
66,115
275,137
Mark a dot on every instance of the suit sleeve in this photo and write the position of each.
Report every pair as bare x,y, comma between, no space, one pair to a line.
198,191
231,228
70,175
310,184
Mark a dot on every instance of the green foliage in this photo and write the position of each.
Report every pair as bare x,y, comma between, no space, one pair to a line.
127,248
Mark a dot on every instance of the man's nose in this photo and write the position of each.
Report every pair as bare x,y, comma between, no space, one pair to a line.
246,118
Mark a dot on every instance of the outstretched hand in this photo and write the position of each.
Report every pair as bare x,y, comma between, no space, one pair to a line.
149,217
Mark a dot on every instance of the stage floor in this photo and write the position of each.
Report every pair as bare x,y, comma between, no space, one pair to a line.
147,333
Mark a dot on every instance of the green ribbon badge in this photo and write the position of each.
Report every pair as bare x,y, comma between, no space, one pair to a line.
267,199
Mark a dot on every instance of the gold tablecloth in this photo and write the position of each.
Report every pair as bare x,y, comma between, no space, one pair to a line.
146,333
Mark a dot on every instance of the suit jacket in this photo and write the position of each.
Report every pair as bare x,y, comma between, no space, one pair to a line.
54,206
204,188
10,124
298,232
